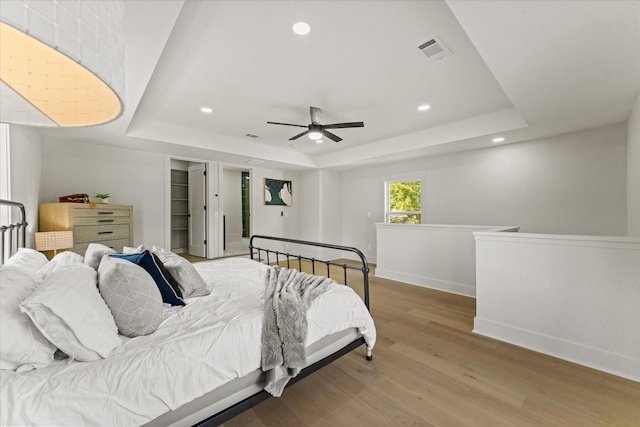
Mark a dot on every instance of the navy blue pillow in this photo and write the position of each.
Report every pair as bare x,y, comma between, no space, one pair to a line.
167,275
146,261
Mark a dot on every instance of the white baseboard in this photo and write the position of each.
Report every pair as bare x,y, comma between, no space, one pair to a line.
595,358
427,282
354,257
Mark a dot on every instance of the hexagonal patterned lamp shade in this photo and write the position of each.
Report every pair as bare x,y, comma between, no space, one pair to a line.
61,62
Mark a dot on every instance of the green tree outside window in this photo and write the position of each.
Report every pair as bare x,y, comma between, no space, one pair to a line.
405,202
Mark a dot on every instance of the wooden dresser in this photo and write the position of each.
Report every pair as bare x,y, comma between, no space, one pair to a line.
111,225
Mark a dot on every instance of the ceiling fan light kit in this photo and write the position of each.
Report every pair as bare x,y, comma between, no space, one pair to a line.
316,131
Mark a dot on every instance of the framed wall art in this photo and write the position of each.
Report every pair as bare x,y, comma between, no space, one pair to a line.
277,192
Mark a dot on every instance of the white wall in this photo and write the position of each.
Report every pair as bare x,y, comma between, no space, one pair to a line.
320,214
232,204
132,177
308,197
279,221
362,207
433,256
573,297
139,178
26,171
572,184
633,171
330,198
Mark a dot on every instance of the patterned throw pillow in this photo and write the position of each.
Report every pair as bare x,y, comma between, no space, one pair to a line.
153,266
183,271
131,295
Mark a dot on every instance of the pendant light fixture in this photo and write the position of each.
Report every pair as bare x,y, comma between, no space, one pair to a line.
61,63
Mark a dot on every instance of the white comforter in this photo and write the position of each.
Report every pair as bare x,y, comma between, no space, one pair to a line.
212,340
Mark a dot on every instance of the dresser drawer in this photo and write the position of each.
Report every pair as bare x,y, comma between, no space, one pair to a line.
81,248
102,220
100,212
99,233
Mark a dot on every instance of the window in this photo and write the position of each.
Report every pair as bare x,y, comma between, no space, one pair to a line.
403,199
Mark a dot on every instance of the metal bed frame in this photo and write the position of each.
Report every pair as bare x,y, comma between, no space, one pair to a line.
252,401
364,269
19,230
7,232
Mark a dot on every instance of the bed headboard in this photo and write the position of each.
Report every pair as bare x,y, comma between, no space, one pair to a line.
12,235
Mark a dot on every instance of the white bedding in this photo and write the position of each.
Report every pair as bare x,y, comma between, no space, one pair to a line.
212,340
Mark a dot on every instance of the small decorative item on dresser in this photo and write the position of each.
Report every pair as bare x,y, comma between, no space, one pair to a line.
74,198
104,197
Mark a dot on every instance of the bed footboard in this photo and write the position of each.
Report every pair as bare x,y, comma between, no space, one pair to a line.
275,256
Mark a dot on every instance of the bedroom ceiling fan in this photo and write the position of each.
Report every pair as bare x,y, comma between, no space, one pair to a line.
316,131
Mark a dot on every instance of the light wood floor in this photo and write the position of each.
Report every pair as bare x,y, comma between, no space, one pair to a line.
429,369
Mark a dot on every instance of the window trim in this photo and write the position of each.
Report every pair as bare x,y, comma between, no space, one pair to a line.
403,177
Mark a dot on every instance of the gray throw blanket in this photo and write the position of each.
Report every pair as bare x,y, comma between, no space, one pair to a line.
289,293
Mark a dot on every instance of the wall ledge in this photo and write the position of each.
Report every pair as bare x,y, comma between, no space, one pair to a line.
449,227
616,242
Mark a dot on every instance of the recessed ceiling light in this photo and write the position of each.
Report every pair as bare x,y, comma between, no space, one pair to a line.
301,28
498,139
206,110
293,146
424,107
319,141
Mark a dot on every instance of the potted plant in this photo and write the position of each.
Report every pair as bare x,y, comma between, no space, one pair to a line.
104,197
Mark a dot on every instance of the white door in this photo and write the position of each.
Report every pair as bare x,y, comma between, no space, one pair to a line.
197,211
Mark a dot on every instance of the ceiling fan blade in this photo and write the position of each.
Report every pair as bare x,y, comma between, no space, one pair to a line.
332,136
285,124
299,135
344,125
315,115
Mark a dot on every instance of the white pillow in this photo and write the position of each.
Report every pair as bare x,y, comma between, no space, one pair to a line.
27,259
94,253
68,310
190,282
62,260
22,346
130,250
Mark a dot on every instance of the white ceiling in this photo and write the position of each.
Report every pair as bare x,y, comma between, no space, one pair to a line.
519,69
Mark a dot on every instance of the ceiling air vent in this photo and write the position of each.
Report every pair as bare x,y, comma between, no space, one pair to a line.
434,49
250,135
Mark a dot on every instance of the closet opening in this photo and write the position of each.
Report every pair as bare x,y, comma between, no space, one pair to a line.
188,208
